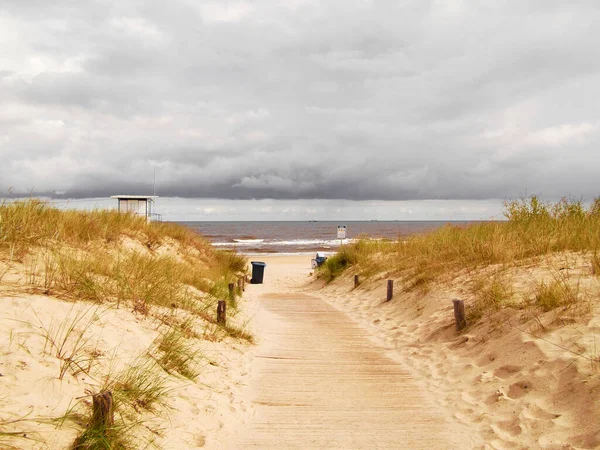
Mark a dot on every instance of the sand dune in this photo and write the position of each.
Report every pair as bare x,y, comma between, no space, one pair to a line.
334,367
31,389
514,385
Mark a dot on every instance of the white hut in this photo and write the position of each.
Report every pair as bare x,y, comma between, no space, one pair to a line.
141,205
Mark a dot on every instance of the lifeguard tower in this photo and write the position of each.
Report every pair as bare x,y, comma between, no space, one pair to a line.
141,205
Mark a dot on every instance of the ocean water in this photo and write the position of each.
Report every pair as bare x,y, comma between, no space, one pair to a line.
255,238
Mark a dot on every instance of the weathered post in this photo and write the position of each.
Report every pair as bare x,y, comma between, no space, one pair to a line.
231,291
239,285
103,415
244,283
222,312
459,314
390,290
355,281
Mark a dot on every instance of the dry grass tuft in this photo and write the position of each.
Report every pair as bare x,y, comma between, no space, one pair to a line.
559,292
176,354
239,332
139,386
67,341
595,262
490,295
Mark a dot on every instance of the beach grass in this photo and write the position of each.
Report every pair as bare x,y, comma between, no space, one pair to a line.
175,353
559,292
100,437
490,294
139,386
103,260
84,255
31,223
68,341
532,229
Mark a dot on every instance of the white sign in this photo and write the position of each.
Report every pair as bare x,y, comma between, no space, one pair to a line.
341,232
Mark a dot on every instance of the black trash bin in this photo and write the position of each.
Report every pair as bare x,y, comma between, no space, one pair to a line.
258,272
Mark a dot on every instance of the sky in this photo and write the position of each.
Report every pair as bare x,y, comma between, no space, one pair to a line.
404,109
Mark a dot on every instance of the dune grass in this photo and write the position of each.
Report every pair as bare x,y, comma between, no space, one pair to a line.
490,294
533,228
67,340
139,386
120,435
595,263
558,292
78,255
31,223
175,353
99,437
164,271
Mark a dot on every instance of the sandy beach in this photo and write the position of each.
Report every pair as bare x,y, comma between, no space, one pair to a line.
338,367
439,160
333,367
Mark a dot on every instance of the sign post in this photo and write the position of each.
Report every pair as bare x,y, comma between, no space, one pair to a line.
341,233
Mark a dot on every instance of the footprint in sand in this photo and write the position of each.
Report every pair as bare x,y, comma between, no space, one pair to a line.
487,359
507,371
511,427
200,441
536,412
519,389
484,377
585,441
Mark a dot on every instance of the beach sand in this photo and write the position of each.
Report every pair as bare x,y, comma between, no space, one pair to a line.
319,381
333,367
40,333
496,386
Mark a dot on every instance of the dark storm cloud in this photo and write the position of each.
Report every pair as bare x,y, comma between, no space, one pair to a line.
301,99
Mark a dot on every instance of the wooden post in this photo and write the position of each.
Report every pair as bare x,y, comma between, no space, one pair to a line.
390,290
355,281
222,312
459,314
231,291
103,415
244,283
239,285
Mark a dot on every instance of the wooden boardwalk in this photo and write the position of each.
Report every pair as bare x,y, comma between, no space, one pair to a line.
319,382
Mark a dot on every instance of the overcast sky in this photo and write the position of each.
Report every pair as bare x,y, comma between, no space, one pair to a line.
360,100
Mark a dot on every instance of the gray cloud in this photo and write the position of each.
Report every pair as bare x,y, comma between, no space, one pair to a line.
303,99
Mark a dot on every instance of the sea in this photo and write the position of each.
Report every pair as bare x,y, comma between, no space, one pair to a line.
307,237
